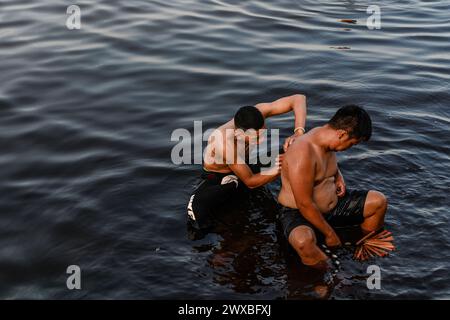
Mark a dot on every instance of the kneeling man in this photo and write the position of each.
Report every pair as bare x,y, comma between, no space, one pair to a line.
314,197
226,171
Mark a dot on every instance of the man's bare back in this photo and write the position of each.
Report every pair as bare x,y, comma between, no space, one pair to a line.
326,170
219,148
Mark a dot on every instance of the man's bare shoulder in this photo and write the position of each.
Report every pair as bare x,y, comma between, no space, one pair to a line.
300,160
227,125
301,147
219,134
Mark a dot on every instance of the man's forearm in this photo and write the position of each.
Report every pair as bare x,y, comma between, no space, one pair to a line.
315,217
339,176
259,179
299,109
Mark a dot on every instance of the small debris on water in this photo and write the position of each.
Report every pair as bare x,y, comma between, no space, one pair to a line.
341,48
352,21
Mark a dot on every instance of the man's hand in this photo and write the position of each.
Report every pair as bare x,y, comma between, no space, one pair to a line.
276,169
340,184
332,240
340,188
291,139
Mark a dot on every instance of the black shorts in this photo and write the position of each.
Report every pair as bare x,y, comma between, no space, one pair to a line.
348,212
210,197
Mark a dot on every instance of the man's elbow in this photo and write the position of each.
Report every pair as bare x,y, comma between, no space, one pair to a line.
251,184
299,96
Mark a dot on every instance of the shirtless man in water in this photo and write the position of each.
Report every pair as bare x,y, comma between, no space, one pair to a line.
227,174
313,196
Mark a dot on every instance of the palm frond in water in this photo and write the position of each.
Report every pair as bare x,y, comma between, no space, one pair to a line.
374,244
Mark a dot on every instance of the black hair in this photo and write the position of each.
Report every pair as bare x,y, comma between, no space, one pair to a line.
354,119
248,117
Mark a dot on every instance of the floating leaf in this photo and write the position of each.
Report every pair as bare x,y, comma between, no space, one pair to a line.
352,21
374,244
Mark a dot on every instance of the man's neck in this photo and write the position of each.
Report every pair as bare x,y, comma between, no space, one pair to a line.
321,137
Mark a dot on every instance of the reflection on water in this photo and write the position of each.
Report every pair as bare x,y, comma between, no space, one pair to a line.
246,256
249,254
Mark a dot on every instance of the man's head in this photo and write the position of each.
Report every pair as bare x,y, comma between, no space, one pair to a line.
249,120
352,125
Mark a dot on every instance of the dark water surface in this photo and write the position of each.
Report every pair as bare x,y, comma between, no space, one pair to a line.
86,118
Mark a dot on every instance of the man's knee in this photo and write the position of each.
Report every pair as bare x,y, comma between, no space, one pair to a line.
302,238
376,203
379,199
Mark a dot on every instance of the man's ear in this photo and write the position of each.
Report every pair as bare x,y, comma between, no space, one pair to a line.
341,133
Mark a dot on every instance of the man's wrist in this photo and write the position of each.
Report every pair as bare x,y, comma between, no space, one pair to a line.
330,232
299,130
339,177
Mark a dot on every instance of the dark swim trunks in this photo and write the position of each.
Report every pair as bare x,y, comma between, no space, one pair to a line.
211,196
348,212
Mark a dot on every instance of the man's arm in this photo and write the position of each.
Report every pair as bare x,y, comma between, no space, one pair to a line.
340,183
301,173
234,157
296,102
254,180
